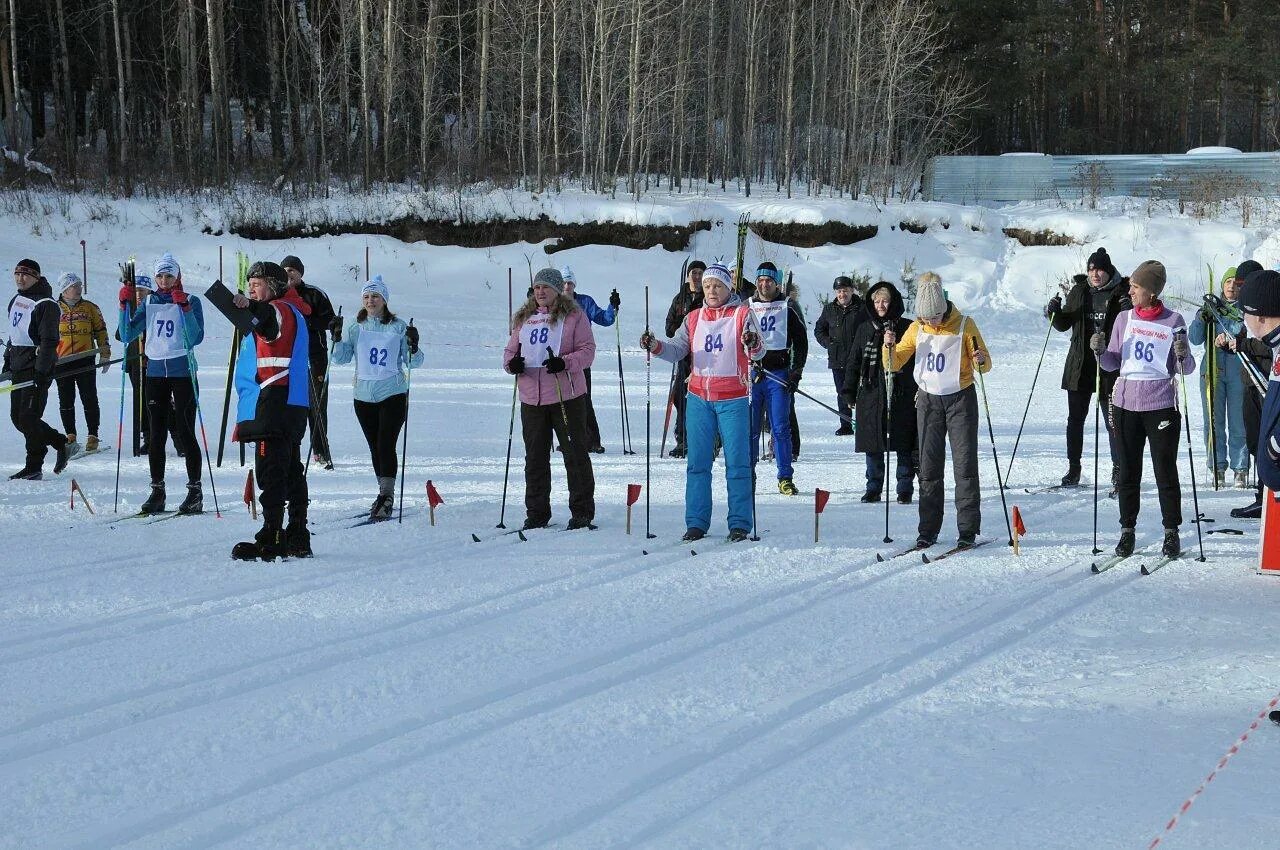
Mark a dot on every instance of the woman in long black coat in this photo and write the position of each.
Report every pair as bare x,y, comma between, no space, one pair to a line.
865,385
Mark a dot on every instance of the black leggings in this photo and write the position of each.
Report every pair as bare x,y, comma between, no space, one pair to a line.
381,422
1161,430
171,403
1078,410
86,383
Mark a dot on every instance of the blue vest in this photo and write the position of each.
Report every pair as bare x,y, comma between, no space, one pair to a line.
246,372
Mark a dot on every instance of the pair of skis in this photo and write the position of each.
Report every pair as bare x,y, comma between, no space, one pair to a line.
924,553
1146,568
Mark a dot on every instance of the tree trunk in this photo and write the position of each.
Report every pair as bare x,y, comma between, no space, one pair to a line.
366,131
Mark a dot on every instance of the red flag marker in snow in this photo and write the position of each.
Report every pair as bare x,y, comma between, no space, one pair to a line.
76,488
433,498
633,495
1269,544
820,498
1019,529
249,498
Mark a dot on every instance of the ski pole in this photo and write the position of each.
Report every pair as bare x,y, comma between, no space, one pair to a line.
511,425
777,380
628,448
1195,495
124,372
204,437
888,431
1097,416
226,394
404,439
648,417
1030,396
1210,379
991,433
564,415
323,417
666,420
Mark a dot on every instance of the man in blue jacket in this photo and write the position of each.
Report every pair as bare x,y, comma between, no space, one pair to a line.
1260,302
604,318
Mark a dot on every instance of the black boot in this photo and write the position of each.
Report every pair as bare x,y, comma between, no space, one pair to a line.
1125,547
194,503
871,496
155,502
691,534
381,508
737,535
1253,511
33,473
267,545
580,522
1172,546
62,455
298,539
1072,478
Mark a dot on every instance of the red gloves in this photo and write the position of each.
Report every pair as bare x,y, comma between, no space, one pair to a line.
128,292
180,298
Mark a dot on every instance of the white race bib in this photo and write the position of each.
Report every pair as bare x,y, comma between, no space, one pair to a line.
938,362
377,355
537,334
164,332
20,320
715,347
1144,351
772,318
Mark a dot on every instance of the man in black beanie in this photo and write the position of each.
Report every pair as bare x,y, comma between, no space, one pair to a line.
29,358
1260,302
1259,355
321,319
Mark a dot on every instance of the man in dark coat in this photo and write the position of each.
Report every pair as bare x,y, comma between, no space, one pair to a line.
864,390
834,332
30,356
1260,355
320,319
1091,306
688,299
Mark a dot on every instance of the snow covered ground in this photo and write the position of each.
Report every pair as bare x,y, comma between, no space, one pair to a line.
410,687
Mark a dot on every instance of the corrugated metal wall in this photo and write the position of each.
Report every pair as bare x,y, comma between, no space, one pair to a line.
1037,177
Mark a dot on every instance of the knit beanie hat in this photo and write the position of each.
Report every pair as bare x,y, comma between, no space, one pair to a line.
718,271
549,277
1260,295
275,276
292,262
567,274
1248,267
377,287
931,303
1099,259
142,281
67,280
769,270
1150,275
1226,276
697,264
167,265
30,267
843,282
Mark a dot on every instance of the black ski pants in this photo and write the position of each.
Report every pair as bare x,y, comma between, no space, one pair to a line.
680,389
277,466
26,411
537,423
1134,430
592,426
318,415
845,410
1078,410
86,384
171,404
381,422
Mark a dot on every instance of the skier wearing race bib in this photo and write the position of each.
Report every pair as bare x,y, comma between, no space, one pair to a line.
174,324
947,347
1148,346
81,328
273,398
723,338
549,347
786,342
382,346
604,318
30,356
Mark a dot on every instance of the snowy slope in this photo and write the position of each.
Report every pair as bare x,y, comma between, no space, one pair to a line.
409,687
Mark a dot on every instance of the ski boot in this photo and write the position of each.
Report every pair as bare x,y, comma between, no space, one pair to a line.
924,542
1124,548
904,498
692,534
737,535
1072,478
1172,545
1242,479
33,473
194,503
63,455
91,444
787,487
679,451
267,545
871,496
531,523
1253,511
844,431
386,500
1219,478
966,541
155,502
298,539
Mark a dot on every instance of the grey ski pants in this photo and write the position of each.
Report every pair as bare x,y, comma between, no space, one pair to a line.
954,418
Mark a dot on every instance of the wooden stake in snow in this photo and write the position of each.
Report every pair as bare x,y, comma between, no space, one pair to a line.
820,498
633,495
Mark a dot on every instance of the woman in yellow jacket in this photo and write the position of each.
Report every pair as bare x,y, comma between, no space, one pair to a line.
947,347
81,329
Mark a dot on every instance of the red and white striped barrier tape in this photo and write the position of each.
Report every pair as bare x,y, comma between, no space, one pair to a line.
1222,762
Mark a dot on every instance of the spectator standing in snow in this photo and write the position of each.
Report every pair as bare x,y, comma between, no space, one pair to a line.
786,342
688,299
549,347
319,320
1260,303
1261,356
30,356
1222,392
604,318
834,331
81,329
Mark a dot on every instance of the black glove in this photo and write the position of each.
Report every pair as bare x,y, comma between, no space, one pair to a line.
43,380
615,300
516,365
411,334
1054,306
793,380
555,365
849,400
335,328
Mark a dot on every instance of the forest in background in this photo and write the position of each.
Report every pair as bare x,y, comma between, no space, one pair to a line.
848,97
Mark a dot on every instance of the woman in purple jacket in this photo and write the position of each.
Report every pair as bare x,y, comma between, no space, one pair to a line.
549,348
1148,346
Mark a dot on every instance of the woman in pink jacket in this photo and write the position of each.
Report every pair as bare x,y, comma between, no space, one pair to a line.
550,346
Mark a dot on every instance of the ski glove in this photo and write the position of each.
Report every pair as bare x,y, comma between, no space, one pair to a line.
335,328
516,365
793,380
555,365
615,300
1098,343
648,341
1181,346
127,294
411,334
750,339
849,400
1054,306
180,298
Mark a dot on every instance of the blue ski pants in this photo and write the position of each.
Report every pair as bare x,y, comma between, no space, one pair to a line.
1229,444
777,398
703,421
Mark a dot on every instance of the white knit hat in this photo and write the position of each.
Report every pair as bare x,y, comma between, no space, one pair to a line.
931,303
67,280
